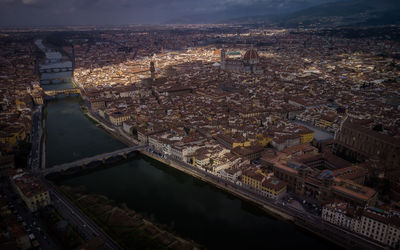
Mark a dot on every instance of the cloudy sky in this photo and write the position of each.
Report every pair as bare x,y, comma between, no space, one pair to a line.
109,12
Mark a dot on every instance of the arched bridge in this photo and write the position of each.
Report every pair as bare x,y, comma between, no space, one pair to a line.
86,161
62,91
55,70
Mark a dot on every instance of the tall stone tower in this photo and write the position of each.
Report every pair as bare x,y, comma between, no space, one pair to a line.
152,71
223,58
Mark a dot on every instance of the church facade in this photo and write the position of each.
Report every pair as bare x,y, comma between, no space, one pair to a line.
249,62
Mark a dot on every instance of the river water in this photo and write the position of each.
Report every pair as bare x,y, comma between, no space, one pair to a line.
71,136
191,208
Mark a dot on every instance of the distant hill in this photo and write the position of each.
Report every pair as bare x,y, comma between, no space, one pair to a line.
319,13
242,11
346,13
333,14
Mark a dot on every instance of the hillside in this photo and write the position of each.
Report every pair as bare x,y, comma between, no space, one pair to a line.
334,14
346,13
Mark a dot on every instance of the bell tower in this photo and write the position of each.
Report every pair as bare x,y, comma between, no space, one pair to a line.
223,58
222,55
152,71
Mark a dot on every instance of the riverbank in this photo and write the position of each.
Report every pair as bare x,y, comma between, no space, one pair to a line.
268,209
129,228
43,142
324,230
274,209
308,223
265,207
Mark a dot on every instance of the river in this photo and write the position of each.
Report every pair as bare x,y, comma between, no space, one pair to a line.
71,136
192,208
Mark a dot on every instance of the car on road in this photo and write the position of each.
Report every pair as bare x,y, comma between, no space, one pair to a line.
31,236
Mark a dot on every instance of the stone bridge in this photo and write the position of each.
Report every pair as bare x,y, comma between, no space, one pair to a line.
56,92
55,70
83,163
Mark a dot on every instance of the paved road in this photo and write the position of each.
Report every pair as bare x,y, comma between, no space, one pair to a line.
33,223
36,138
300,215
319,134
89,229
85,225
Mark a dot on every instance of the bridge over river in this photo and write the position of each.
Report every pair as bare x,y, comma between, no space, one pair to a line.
66,92
83,163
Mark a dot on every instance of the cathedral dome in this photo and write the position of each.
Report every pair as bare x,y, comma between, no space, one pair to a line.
251,56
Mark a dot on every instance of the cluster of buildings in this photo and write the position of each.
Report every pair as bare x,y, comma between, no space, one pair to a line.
249,63
13,231
376,224
30,189
19,92
218,107
322,177
232,104
322,117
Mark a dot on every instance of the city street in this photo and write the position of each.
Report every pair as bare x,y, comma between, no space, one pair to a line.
305,216
37,133
33,223
301,217
79,220
319,134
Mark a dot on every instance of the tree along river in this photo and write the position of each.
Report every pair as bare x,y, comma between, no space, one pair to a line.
191,208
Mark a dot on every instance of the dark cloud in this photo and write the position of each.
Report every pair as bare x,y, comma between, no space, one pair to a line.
86,12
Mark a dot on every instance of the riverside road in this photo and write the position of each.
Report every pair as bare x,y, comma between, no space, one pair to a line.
79,220
314,222
71,126
301,217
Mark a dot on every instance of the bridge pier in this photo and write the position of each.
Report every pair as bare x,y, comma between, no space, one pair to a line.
125,155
